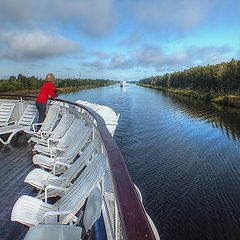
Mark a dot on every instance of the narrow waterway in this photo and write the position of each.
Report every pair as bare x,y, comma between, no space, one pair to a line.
184,156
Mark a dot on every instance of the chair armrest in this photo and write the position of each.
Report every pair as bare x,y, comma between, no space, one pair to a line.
60,148
36,124
11,123
36,134
56,149
47,132
59,163
55,213
52,140
41,142
54,188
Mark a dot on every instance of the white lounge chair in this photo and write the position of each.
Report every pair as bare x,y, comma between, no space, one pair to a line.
63,143
6,110
32,211
68,154
41,179
66,232
57,133
47,125
24,123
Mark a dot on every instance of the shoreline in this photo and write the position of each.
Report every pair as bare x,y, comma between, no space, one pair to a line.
59,90
227,100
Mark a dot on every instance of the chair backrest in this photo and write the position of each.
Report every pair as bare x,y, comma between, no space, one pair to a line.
72,133
81,188
93,208
77,166
51,118
6,110
63,126
72,150
28,115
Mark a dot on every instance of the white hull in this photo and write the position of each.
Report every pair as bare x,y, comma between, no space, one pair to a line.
123,84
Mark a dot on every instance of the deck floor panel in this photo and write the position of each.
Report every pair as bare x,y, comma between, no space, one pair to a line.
9,170
15,164
15,172
12,153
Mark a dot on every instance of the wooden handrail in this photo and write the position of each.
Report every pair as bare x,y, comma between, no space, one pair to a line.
133,217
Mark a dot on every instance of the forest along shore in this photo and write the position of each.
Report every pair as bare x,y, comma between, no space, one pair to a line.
31,85
222,99
59,90
218,83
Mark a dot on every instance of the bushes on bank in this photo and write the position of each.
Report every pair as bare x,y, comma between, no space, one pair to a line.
223,78
32,83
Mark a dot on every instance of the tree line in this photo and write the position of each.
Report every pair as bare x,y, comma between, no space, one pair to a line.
220,78
33,83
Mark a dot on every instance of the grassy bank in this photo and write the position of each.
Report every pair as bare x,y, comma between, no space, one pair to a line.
59,90
222,99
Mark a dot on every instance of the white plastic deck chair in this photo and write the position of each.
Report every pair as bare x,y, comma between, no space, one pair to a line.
57,133
92,211
48,124
32,211
66,232
6,110
24,123
66,156
63,143
41,179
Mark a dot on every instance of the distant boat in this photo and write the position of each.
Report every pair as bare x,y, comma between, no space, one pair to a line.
123,84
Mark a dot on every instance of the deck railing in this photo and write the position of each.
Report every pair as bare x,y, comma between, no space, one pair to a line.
133,218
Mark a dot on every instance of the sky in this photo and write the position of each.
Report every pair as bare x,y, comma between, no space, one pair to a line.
111,39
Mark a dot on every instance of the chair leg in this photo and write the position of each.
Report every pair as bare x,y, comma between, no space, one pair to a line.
9,138
2,141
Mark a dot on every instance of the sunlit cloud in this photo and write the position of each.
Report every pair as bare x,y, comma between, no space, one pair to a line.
94,65
174,15
149,56
92,17
210,54
35,45
120,61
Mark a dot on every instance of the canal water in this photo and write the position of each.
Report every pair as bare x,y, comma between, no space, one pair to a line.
183,155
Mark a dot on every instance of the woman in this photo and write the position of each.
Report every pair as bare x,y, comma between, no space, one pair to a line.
48,90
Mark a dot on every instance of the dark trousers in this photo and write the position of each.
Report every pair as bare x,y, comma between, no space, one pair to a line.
41,107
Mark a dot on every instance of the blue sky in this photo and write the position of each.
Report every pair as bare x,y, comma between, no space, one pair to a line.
112,39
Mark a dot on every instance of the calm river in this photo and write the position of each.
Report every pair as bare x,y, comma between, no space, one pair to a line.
184,156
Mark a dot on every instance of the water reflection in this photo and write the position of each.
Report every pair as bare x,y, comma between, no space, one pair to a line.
124,89
224,118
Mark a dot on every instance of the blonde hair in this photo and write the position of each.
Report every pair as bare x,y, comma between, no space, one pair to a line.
50,77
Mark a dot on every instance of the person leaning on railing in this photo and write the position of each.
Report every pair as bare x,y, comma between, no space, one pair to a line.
48,90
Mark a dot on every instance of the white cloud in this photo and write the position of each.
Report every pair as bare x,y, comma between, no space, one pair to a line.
94,65
93,17
155,57
210,54
35,45
152,57
173,15
121,61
